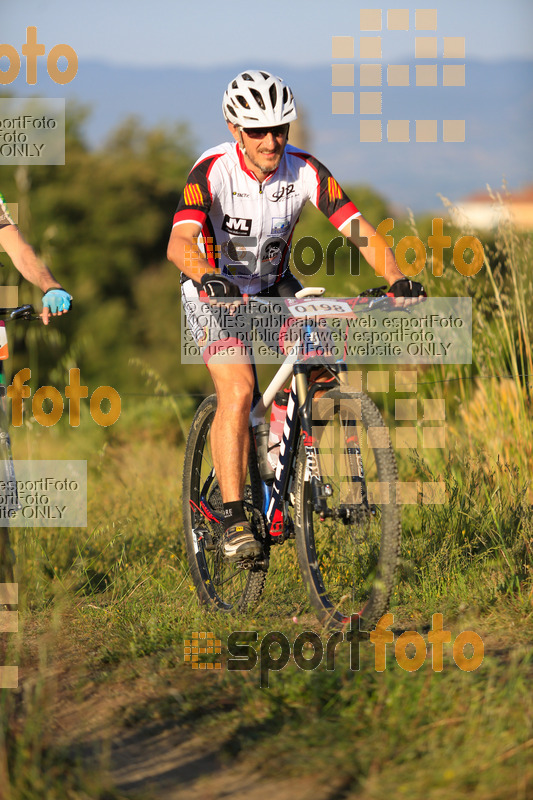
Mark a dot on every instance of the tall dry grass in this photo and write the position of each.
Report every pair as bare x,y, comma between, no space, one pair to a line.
498,416
493,398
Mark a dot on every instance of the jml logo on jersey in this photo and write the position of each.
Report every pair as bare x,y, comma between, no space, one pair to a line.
238,226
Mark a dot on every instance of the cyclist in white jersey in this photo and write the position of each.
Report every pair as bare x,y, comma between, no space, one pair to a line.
232,234
55,299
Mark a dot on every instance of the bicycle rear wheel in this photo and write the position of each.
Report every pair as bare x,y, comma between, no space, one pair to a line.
218,582
348,522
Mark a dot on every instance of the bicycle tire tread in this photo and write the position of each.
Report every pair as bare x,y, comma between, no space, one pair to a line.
255,582
380,594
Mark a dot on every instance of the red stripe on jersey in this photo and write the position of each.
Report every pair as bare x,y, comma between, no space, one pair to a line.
339,217
192,215
306,157
245,168
243,163
212,159
212,164
208,244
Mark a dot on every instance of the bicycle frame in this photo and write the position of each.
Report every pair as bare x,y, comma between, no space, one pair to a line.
299,363
349,563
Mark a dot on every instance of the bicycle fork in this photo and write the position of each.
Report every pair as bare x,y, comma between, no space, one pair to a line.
354,497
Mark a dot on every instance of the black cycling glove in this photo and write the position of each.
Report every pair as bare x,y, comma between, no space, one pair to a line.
406,288
219,286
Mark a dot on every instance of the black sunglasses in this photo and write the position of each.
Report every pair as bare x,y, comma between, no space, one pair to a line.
260,133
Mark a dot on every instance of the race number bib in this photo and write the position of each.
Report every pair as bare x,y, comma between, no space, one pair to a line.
318,307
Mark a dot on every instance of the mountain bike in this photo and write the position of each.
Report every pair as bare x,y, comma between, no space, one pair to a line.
334,489
8,485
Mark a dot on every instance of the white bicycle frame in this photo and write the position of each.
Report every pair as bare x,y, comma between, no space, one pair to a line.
273,492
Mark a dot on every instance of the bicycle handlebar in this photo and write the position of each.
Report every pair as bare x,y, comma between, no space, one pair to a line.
360,304
374,298
26,312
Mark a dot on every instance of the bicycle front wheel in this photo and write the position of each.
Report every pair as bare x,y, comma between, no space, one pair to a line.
218,582
347,520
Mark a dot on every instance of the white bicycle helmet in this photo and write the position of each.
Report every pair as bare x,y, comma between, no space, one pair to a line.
257,99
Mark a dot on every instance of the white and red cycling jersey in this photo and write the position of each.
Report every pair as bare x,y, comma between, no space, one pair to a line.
247,226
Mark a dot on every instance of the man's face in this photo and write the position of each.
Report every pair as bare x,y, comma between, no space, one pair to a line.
263,147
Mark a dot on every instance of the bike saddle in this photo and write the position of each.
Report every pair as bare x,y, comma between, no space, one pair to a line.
310,291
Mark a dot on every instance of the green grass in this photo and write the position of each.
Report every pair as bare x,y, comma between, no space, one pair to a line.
109,608
105,611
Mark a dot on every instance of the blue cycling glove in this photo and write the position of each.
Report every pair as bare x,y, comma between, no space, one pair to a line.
57,300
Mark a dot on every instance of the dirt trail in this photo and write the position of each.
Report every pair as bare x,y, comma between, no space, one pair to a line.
158,760
175,766
108,720
164,759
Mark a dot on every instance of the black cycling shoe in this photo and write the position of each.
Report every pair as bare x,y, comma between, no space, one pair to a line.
240,542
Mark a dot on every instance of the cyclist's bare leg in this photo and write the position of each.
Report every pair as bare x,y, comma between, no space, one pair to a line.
234,384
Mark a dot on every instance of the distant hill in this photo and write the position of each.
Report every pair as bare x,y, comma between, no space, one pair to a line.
496,102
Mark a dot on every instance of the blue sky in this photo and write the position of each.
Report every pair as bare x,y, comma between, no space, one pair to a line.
162,32
289,37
